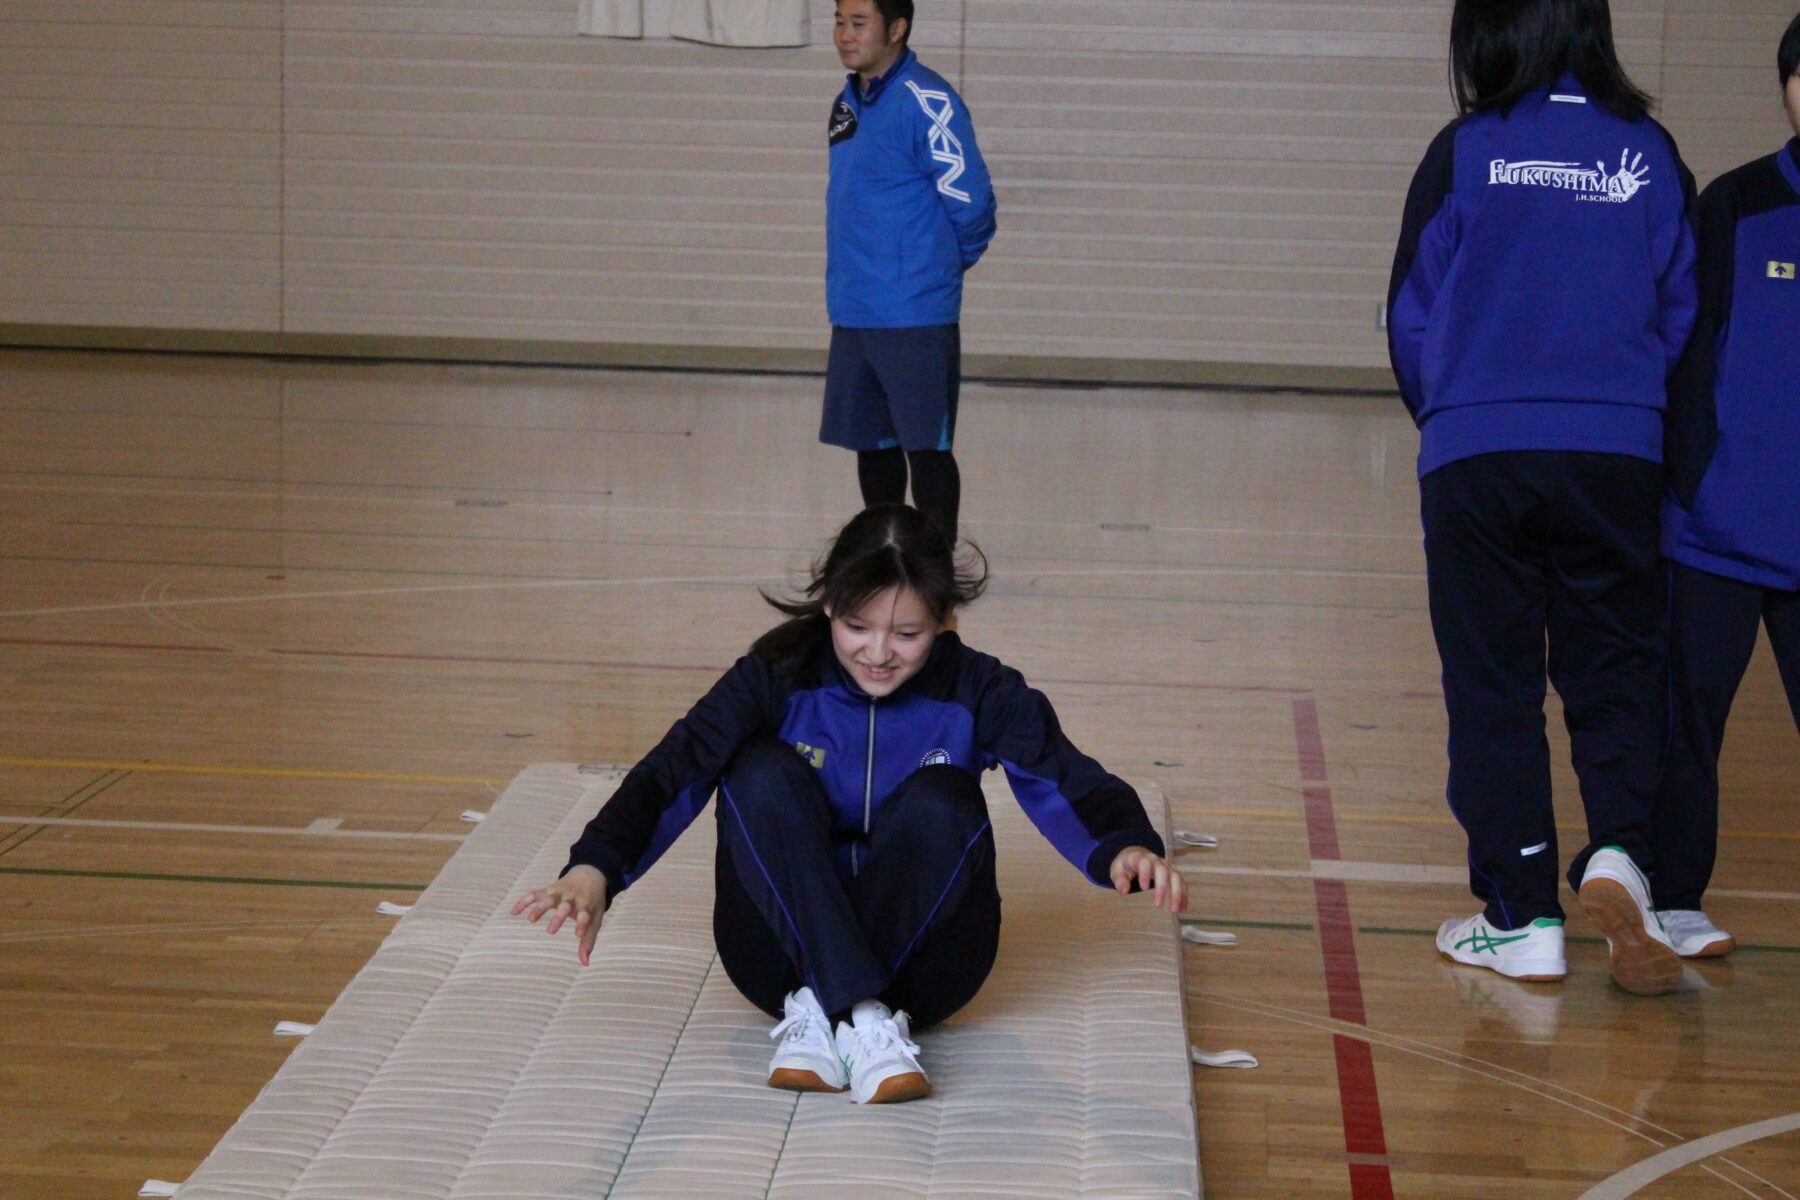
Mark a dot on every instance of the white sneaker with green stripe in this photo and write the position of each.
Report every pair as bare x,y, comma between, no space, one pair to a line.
1533,953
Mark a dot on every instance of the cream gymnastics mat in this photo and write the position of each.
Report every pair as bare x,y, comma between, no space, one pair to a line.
473,1058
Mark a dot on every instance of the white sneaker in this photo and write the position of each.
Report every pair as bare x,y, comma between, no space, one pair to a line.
1694,934
1616,894
1533,953
884,1065
807,1059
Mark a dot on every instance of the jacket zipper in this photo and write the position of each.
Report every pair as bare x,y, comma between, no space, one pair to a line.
868,785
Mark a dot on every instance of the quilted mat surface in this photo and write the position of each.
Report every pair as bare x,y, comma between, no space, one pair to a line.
472,1058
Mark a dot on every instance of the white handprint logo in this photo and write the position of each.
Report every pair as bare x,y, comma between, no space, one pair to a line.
1631,176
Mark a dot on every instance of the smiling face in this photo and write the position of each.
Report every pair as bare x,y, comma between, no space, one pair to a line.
885,642
865,42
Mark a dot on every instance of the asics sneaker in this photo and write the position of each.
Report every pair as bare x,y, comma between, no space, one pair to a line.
883,1063
1533,953
807,1059
1694,934
1617,896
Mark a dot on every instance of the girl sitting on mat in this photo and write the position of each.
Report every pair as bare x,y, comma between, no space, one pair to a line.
855,870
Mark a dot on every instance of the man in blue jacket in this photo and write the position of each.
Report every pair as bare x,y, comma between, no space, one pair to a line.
909,208
1731,521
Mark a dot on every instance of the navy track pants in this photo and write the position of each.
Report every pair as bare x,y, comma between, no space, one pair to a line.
1545,563
918,923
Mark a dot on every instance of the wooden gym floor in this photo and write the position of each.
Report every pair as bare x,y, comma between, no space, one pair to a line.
268,628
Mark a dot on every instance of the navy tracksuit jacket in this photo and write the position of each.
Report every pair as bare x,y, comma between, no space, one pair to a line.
964,708
1731,518
1542,291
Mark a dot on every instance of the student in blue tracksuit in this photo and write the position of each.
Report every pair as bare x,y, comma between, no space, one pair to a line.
1731,520
908,209
1542,291
855,869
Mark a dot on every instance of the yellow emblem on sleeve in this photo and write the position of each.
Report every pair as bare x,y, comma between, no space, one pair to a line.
814,755
1781,270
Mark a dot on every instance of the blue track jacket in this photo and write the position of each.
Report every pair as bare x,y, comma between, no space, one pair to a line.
909,206
1734,405
1543,288
963,708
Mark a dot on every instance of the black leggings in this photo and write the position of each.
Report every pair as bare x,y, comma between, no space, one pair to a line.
936,482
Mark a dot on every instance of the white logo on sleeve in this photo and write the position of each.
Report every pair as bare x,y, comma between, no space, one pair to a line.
937,758
945,147
1596,183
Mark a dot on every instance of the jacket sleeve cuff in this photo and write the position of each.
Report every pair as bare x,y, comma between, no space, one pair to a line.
1099,866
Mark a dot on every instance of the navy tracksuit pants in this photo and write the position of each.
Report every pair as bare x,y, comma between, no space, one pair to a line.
1545,563
1714,621
916,924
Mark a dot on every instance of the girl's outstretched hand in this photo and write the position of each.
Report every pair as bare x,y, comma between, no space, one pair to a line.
1153,874
579,896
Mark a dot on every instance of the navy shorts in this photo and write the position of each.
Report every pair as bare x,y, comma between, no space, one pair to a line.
892,387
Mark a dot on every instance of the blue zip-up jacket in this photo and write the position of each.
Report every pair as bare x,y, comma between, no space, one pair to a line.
909,206
1543,287
1734,406
963,707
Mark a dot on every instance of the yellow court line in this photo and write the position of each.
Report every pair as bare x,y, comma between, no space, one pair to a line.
95,764
1448,822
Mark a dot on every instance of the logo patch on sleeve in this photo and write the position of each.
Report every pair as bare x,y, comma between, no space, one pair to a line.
937,758
1781,270
842,126
814,755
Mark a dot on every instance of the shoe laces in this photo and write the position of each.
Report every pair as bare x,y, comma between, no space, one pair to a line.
883,1035
802,1024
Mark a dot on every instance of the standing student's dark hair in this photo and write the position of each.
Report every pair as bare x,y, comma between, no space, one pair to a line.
884,546
1787,59
1501,50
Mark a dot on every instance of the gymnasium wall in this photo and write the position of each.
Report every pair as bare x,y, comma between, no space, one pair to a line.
1181,181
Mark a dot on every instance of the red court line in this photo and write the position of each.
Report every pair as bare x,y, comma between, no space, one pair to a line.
15,641
502,660
1359,1099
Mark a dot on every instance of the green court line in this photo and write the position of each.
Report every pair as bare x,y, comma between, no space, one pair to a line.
1572,939
57,873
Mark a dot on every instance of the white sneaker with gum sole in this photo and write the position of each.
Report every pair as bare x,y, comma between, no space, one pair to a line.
1617,896
1693,933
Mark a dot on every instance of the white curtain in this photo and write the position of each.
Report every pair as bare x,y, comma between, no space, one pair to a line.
716,22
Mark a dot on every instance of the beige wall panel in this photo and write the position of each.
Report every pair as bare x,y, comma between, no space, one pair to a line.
1179,179
140,164
469,18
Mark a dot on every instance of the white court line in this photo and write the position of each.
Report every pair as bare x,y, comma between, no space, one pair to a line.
451,494
297,831
1542,1088
1634,1179
520,585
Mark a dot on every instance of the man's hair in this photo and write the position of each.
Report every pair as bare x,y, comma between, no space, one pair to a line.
894,10
1501,50
1788,58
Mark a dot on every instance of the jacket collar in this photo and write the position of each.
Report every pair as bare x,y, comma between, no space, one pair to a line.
1788,162
880,83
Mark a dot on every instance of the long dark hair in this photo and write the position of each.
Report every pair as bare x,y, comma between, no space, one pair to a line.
884,546
1500,50
1787,58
